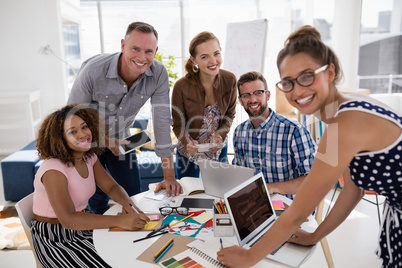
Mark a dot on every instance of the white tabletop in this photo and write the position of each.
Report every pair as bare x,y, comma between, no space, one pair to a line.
119,251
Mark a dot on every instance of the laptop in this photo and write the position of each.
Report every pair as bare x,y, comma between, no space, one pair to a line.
218,177
252,214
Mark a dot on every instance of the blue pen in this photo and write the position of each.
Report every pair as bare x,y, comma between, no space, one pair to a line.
163,253
221,244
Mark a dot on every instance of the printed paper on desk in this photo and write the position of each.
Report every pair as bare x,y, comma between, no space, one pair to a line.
205,233
161,196
192,226
185,229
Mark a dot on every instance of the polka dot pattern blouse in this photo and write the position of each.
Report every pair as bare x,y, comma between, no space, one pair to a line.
381,172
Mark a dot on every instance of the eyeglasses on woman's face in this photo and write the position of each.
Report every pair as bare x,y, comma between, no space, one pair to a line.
304,79
170,210
257,93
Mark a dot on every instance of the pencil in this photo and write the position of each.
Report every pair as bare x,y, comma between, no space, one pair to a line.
221,204
167,244
164,252
217,208
182,220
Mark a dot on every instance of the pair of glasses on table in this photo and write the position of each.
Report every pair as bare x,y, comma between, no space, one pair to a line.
169,210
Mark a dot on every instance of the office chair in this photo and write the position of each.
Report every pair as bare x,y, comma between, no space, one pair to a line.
340,184
24,210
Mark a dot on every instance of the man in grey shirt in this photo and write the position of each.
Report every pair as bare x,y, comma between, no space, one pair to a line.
118,85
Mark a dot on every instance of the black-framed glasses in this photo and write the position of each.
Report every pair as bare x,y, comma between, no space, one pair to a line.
257,93
170,210
305,79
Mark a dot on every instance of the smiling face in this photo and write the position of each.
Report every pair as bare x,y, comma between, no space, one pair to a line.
77,134
255,106
139,50
208,57
311,98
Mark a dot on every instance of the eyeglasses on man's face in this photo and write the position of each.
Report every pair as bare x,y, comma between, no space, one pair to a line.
305,79
257,93
170,210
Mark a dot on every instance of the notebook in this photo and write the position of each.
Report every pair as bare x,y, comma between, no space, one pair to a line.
218,177
203,255
252,214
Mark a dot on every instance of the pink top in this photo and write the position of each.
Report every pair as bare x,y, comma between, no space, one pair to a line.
80,189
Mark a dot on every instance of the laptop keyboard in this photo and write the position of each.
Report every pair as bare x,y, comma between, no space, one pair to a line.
252,244
273,252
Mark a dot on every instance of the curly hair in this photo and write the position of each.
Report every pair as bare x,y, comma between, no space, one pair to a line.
51,142
307,40
195,42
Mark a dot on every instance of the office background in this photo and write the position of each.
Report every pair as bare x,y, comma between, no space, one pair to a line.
44,42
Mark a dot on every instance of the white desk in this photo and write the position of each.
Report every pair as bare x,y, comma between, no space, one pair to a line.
119,251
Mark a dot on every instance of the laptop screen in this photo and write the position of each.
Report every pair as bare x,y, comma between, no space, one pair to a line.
250,206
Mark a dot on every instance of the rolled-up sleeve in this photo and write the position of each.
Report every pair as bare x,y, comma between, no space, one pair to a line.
161,116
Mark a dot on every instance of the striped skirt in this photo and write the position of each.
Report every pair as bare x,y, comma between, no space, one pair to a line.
56,246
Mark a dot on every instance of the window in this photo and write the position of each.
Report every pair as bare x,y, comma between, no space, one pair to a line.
71,50
380,57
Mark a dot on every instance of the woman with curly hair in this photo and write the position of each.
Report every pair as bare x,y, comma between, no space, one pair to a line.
68,141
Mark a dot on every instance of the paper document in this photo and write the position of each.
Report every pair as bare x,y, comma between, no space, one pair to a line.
204,147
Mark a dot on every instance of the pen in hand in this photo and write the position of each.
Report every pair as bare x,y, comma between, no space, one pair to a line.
135,210
191,140
221,244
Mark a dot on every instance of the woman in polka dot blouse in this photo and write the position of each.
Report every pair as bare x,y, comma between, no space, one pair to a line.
362,143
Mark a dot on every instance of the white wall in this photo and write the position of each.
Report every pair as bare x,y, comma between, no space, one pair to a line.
26,26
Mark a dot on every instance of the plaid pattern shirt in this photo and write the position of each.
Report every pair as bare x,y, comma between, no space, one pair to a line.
280,148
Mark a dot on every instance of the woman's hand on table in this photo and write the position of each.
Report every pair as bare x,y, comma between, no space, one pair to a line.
172,187
132,221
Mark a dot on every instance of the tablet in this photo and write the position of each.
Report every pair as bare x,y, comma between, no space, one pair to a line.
137,140
205,203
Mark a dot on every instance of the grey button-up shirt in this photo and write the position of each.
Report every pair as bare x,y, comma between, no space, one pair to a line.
99,85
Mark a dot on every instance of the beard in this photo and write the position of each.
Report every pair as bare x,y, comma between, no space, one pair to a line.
257,113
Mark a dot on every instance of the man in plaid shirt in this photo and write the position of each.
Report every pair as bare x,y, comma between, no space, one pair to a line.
282,149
